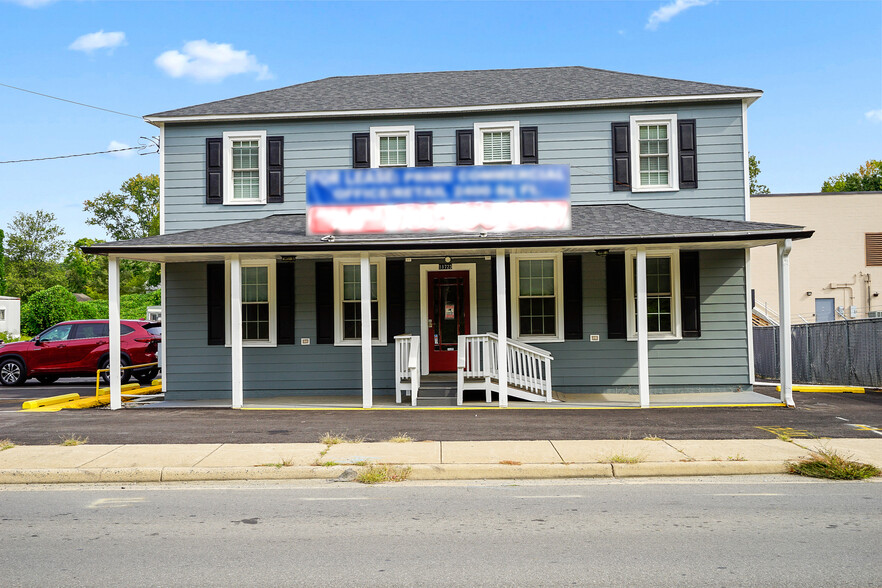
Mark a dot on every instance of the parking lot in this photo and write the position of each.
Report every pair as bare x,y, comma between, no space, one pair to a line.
815,415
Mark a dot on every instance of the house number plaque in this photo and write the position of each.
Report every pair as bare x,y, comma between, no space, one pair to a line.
445,266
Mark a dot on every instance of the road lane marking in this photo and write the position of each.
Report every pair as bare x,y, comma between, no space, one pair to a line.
116,502
787,432
876,430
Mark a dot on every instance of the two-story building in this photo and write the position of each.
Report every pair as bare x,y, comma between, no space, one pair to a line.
646,293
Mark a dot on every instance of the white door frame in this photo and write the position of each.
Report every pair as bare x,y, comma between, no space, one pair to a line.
425,268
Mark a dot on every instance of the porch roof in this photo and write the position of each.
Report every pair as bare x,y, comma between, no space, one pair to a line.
600,225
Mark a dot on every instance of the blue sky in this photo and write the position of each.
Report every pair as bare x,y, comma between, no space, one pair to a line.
819,64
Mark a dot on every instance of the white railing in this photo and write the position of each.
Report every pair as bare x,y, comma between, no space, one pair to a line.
529,368
407,367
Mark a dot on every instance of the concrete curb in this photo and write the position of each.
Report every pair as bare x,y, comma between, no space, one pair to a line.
417,472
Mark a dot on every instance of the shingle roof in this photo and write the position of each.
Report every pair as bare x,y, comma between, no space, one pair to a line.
601,224
453,89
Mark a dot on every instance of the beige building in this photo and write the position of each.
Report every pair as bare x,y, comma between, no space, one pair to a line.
832,274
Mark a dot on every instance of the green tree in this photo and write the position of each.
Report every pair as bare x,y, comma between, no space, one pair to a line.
754,169
868,178
85,273
47,307
131,214
34,245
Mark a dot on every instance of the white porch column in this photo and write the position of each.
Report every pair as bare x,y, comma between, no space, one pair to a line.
784,248
161,358
642,330
238,396
114,331
367,367
501,328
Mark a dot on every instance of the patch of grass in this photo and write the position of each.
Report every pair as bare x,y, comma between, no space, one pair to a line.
509,462
6,444
736,457
826,463
335,439
784,437
283,463
622,458
401,438
324,464
376,474
652,438
73,440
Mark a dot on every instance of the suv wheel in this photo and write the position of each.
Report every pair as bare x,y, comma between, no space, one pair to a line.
124,375
12,372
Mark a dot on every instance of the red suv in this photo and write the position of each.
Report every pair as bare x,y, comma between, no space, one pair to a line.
79,348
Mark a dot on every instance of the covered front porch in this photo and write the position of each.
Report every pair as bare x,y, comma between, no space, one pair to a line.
371,314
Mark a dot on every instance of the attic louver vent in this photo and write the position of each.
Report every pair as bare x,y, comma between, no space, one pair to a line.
874,248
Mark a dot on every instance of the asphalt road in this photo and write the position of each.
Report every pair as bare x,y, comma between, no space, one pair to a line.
816,415
758,532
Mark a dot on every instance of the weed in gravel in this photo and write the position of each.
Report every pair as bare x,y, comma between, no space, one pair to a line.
736,457
652,438
826,463
6,444
283,463
376,474
621,458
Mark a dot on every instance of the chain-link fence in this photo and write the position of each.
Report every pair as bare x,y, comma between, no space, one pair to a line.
840,352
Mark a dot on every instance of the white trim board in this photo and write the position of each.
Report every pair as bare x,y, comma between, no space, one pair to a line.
750,97
425,268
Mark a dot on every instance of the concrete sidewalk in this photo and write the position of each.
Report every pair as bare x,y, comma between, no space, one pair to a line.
428,460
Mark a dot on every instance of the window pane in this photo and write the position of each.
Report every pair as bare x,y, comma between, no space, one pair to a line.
246,184
393,151
352,301
497,146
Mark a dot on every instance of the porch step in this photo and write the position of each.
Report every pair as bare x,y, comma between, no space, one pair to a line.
437,393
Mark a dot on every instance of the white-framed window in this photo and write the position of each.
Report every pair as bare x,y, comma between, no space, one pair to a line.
662,294
258,302
537,296
347,301
654,153
245,167
392,146
2,313
497,143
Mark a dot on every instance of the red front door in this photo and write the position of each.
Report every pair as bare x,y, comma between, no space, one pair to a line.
448,317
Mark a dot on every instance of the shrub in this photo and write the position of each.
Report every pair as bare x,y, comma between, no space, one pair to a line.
47,307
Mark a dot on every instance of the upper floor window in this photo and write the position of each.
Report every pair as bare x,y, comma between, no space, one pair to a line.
653,152
245,167
537,297
392,146
497,143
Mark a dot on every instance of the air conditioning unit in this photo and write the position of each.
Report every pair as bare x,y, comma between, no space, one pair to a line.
874,314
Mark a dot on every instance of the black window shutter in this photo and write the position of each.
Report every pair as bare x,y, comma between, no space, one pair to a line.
275,169
621,156
688,161
529,144
214,296
394,297
423,149
690,293
361,149
324,302
507,294
465,147
616,307
285,303
214,171
572,293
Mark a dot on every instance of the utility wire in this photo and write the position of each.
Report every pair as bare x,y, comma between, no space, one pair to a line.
77,155
71,102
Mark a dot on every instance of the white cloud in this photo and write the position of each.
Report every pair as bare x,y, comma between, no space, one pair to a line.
117,145
210,62
100,40
874,115
669,11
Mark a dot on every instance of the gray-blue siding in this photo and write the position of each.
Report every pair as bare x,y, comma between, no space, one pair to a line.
580,138
716,360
